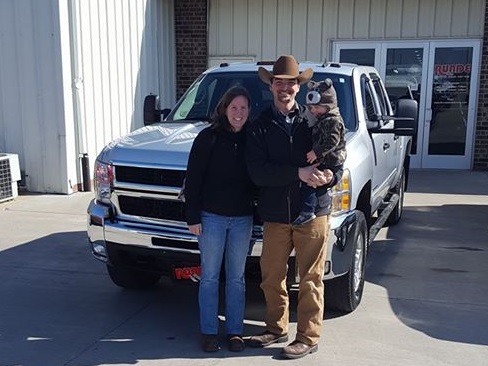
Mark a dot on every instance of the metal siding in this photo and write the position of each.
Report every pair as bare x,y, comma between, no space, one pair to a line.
278,27
32,92
329,25
213,27
426,16
226,17
254,28
120,55
410,14
459,26
270,29
127,52
442,18
239,36
393,19
297,31
475,17
361,21
288,33
377,19
314,31
345,26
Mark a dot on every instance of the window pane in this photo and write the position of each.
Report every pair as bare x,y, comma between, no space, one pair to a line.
450,97
358,56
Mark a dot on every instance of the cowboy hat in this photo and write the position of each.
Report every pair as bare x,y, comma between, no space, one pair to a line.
286,67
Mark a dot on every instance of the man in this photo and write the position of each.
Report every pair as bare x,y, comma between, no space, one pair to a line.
278,142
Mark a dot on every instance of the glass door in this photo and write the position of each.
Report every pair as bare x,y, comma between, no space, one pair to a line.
451,105
404,68
443,77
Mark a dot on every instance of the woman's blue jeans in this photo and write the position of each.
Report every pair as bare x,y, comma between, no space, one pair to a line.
223,237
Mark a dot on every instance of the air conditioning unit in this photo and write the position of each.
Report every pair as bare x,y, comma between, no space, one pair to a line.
9,176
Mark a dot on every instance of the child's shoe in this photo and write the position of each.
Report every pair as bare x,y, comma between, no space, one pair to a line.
304,218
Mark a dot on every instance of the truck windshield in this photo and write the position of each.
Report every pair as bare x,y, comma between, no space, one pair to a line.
201,98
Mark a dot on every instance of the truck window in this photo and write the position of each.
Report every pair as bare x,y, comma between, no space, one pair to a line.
368,99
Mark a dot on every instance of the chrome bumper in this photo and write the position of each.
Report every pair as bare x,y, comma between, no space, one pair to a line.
101,230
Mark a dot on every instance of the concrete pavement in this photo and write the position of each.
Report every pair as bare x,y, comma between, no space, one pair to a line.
425,300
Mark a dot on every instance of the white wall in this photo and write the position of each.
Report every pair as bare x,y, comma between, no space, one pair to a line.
125,52
73,76
32,110
265,29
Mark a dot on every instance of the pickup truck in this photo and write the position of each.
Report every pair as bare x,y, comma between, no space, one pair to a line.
136,222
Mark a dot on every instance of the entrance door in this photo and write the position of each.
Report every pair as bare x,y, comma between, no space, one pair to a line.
442,77
451,105
404,68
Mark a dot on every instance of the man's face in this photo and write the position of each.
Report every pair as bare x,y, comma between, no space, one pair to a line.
284,90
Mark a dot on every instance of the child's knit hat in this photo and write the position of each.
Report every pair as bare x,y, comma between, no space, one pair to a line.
321,93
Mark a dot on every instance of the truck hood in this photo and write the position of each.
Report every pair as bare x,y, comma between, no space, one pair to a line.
167,144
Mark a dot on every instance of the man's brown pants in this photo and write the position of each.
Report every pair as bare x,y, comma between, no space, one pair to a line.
309,241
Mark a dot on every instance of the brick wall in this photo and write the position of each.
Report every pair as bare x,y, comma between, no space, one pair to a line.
481,137
191,41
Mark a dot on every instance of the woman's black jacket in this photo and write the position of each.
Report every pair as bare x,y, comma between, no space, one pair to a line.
217,180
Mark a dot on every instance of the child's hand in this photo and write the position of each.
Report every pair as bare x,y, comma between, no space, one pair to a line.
311,157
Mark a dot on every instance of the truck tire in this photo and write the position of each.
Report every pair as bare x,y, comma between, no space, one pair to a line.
399,189
132,278
345,292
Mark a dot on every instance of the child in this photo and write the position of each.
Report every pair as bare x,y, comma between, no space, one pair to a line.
328,145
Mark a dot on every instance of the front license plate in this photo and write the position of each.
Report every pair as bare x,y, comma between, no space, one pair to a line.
187,273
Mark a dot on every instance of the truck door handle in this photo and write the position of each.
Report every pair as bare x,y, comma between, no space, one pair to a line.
386,146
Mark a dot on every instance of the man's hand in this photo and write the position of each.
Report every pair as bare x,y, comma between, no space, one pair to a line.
315,177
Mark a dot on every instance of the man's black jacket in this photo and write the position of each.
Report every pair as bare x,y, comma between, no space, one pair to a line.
273,157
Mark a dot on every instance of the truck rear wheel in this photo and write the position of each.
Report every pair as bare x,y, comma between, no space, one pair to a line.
344,293
132,278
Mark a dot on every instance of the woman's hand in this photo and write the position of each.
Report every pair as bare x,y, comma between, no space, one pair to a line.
195,229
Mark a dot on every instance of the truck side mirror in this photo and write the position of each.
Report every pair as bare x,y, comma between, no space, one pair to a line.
406,113
152,113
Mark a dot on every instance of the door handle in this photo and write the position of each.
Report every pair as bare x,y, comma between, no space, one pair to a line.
386,146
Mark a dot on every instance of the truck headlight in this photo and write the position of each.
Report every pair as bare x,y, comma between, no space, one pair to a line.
341,195
104,177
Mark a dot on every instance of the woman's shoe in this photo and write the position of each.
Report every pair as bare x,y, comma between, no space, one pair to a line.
235,343
210,343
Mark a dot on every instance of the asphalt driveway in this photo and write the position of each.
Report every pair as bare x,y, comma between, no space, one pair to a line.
425,299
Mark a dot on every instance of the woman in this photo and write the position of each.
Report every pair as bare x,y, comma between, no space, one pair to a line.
219,208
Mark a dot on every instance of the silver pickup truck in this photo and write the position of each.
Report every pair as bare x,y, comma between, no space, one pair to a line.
136,222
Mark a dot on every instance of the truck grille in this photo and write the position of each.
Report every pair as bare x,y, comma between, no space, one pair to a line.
152,208
149,176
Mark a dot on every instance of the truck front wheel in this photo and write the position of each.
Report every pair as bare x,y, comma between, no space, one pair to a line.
132,278
344,293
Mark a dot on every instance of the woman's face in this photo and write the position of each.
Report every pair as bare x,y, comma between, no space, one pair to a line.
237,112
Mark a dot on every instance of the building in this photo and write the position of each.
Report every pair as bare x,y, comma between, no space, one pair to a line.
73,74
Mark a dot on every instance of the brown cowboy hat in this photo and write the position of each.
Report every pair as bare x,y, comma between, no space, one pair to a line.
286,67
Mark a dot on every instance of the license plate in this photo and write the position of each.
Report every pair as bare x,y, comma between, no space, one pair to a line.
187,273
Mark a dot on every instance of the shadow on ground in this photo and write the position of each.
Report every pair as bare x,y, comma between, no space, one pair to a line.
433,265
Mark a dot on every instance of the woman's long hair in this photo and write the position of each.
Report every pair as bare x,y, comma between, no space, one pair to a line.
218,118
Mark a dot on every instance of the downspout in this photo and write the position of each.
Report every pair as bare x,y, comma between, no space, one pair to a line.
77,84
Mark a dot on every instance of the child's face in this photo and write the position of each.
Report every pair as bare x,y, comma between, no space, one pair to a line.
318,110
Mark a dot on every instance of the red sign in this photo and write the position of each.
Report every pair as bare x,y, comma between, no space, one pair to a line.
450,69
187,273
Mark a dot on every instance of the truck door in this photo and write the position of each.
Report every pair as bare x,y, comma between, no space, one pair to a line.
382,143
392,153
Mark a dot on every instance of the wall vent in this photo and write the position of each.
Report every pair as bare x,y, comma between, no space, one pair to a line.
9,175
